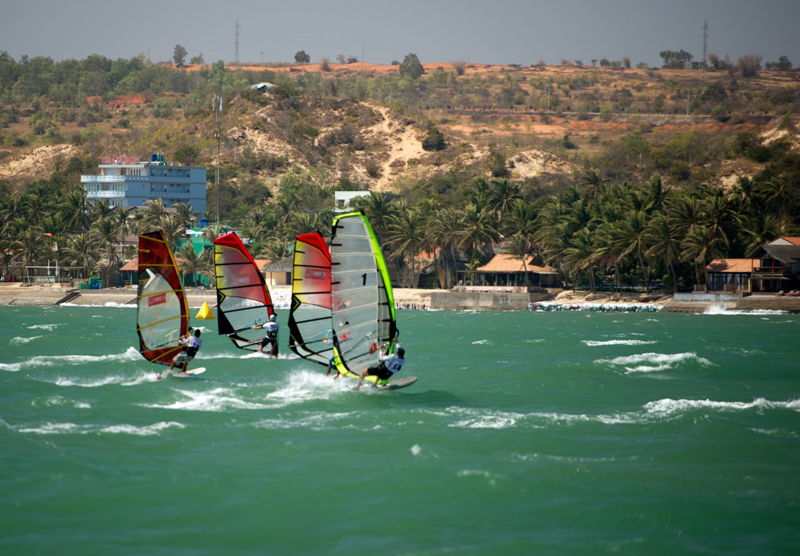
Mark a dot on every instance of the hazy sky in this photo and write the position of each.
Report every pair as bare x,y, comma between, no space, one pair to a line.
483,31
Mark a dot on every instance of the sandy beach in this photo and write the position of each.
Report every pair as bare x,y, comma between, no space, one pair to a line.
407,298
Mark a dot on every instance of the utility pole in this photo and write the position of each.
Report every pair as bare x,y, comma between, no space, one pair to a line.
688,97
216,106
236,50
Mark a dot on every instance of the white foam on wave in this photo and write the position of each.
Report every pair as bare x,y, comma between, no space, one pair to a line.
481,342
669,406
317,421
596,343
245,354
653,362
779,433
60,401
48,327
131,354
479,419
19,340
73,428
122,380
215,400
308,385
490,477
721,310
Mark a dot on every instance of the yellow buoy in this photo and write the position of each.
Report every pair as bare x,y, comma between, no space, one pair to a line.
205,312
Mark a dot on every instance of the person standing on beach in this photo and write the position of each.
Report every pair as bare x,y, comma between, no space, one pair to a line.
270,335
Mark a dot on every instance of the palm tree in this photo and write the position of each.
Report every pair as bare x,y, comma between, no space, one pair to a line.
153,214
759,229
665,242
378,208
173,229
405,234
592,183
700,246
108,263
189,261
477,228
186,214
520,247
502,195
104,233
441,237
608,251
100,209
778,192
520,219
580,255
632,239
79,252
73,211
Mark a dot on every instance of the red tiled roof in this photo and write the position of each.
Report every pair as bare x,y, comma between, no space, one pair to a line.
792,240
132,265
503,262
732,265
262,263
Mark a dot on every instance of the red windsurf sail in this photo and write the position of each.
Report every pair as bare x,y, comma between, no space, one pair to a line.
162,315
243,300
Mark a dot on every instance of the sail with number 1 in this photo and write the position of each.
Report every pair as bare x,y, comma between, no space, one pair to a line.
243,300
310,334
362,302
162,314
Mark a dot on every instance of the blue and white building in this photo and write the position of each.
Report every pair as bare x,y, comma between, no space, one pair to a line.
128,182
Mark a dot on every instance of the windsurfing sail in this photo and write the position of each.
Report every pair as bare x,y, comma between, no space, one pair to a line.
310,334
162,314
243,299
362,303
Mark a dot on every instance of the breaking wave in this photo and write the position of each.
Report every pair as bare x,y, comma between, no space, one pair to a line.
653,362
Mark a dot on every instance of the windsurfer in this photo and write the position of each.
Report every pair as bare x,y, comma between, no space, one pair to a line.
389,365
331,365
271,335
191,345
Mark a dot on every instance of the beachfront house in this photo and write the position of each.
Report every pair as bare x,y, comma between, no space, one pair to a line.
507,272
278,273
730,275
129,182
778,266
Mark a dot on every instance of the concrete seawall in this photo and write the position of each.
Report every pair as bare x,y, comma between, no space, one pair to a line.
697,303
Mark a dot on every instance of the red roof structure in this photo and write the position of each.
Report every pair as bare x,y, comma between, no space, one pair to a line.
732,265
131,266
503,262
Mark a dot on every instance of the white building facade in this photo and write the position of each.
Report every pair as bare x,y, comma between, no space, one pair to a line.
129,182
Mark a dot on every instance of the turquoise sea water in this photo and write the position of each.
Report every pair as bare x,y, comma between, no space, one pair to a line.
527,433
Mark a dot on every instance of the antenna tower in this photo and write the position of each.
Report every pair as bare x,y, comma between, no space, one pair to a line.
236,55
705,41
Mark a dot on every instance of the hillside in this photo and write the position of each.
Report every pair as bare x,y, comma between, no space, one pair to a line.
547,122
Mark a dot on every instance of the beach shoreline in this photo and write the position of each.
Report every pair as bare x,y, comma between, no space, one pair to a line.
409,298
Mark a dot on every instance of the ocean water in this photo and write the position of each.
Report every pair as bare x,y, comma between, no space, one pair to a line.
527,433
